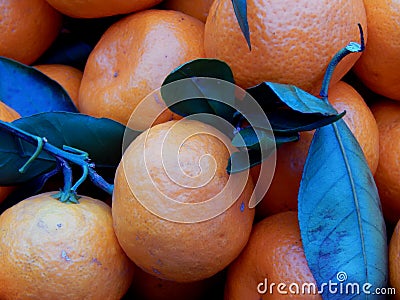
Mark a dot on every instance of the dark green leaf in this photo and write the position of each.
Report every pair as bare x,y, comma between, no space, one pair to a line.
281,139
290,121
202,67
243,160
271,95
194,92
259,143
290,109
240,8
251,138
29,91
340,216
101,138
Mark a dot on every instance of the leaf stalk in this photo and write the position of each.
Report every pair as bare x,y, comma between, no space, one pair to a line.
63,157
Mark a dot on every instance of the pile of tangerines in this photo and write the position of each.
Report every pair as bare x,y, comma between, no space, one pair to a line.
119,249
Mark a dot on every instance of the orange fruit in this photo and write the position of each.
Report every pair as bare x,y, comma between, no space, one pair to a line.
148,287
387,176
195,8
378,65
291,157
100,8
359,119
177,213
5,191
7,114
68,77
273,255
55,250
282,193
291,44
28,28
132,59
394,259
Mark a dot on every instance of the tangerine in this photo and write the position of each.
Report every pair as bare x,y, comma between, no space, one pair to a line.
177,213
55,250
132,59
290,44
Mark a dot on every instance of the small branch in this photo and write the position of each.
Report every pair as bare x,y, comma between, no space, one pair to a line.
100,182
350,48
63,157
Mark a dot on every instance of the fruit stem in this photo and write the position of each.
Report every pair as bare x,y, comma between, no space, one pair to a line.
352,47
39,148
62,156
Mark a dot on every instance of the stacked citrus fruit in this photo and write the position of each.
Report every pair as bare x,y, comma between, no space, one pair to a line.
291,157
179,223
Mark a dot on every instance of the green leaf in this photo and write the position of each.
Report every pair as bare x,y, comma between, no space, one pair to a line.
101,138
251,138
290,109
271,95
289,121
201,67
240,8
29,91
340,216
259,145
281,139
243,160
194,92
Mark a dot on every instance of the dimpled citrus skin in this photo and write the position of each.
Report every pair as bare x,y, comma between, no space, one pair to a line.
379,64
132,59
359,118
178,251
387,176
274,252
290,43
100,8
52,250
28,27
